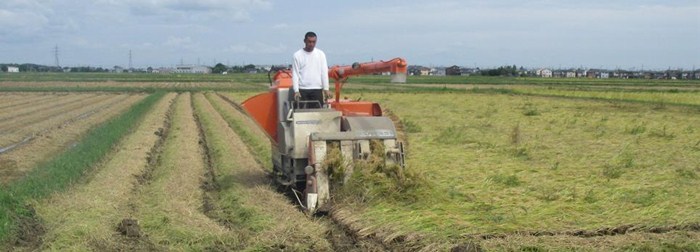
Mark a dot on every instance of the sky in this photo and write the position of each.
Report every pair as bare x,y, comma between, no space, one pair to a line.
624,34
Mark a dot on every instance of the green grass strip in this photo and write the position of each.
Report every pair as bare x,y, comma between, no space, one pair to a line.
68,167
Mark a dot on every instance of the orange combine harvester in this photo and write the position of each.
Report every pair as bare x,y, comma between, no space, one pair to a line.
301,137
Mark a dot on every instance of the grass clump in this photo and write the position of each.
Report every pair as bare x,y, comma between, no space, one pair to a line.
530,109
411,126
617,166
506,180
643,197
373,179
547,193
662,133
68,167
515,135
636,130
454,135
686,173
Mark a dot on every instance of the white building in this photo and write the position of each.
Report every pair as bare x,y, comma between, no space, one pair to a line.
545,73
12,69
192,69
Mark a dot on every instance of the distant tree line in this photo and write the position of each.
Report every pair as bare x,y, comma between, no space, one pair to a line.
501,71
28,67
32,68
221,68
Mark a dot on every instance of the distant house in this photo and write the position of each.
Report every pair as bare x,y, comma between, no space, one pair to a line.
592,73
580,73
544,73
418,70
12,69
453,70
424,71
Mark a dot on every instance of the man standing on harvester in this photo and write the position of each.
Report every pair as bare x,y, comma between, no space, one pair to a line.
310,74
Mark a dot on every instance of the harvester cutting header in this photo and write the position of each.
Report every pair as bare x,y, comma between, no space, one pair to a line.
301,137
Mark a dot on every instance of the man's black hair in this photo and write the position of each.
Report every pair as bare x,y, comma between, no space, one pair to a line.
310,35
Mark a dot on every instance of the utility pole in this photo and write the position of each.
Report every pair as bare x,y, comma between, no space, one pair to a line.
55,53
130,60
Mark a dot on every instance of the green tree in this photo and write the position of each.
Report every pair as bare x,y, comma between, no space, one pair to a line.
219,68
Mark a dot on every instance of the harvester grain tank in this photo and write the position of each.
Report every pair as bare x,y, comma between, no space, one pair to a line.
301,137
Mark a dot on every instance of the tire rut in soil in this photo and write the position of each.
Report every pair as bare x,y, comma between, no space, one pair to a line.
128,232
210,187
30,231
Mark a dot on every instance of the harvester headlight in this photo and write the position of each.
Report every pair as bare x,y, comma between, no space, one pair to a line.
309,169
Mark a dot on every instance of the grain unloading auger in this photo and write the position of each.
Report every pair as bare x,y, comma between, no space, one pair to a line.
301,138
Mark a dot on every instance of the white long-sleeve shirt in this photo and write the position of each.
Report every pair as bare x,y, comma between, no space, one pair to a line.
309,70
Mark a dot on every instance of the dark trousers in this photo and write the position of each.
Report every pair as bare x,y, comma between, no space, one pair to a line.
309,98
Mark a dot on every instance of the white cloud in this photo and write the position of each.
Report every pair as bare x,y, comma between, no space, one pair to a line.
257,48
280,26
22,18
194,10
179,41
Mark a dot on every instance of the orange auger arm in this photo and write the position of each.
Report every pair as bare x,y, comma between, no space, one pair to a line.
397,67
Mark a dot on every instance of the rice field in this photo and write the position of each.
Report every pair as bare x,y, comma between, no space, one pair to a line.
508,166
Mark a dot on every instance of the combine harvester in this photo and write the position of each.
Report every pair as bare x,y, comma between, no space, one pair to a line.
301,138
